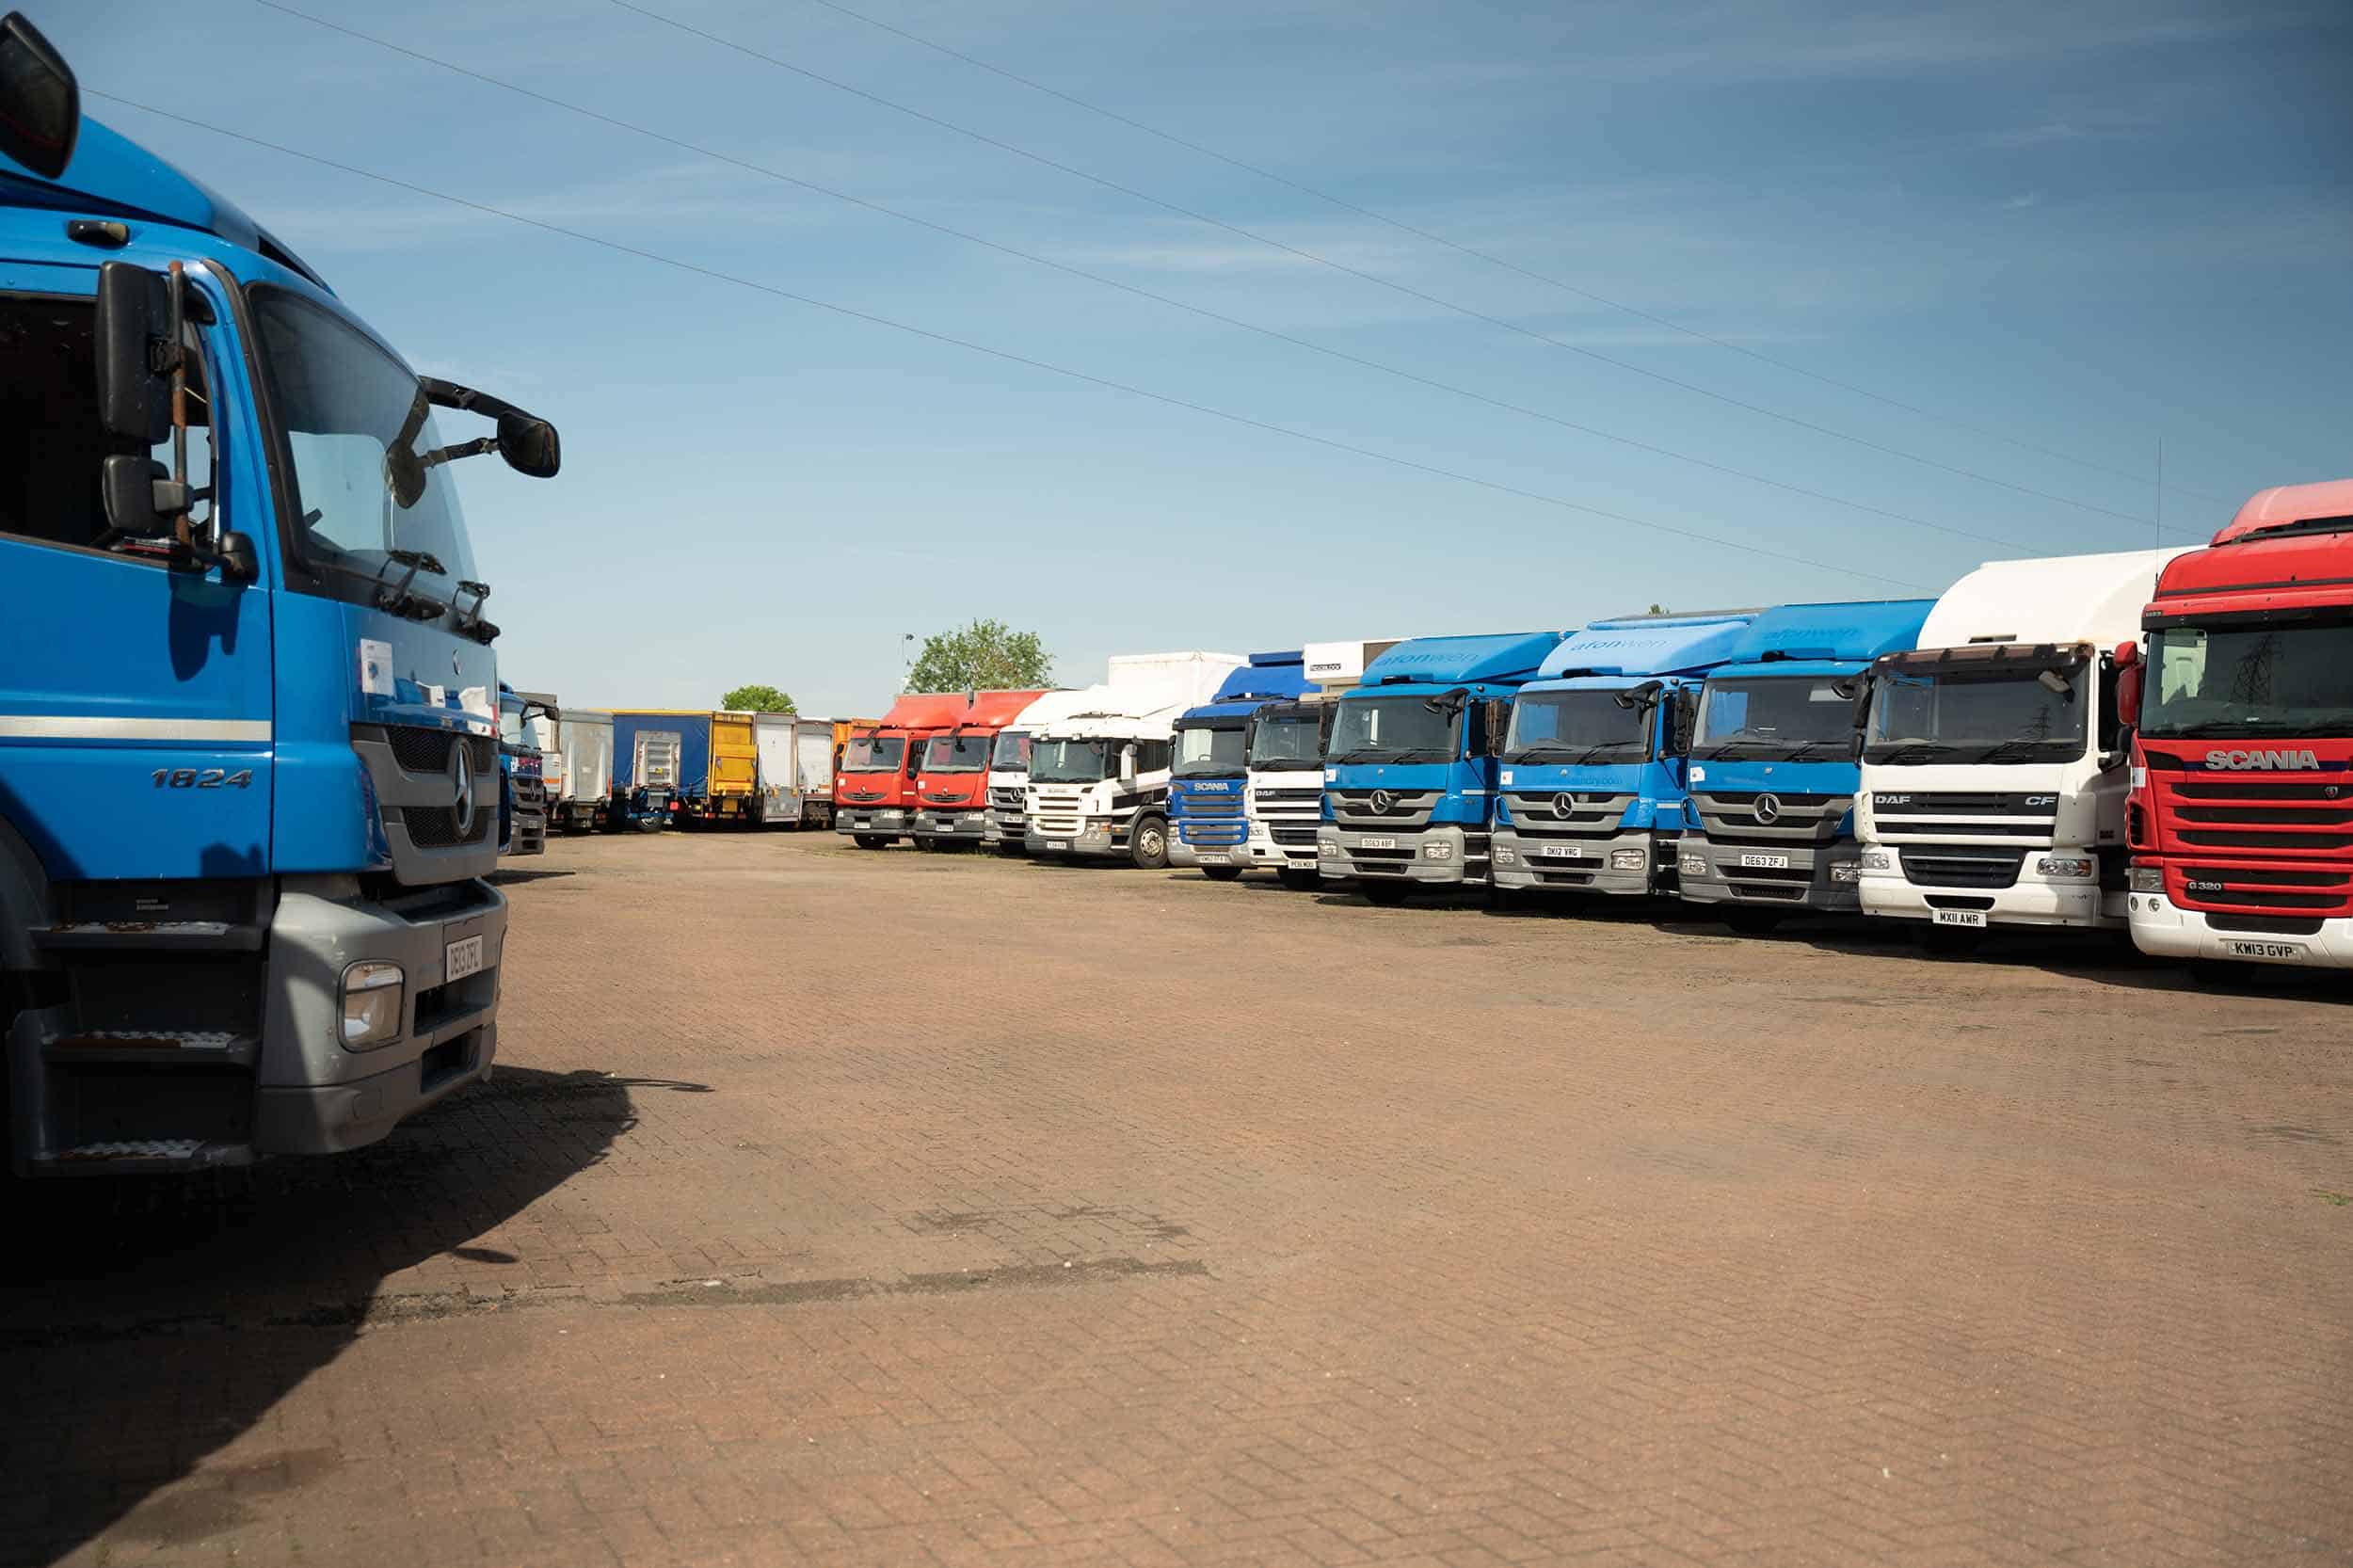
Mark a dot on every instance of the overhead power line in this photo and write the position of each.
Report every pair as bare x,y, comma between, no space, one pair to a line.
1103,382
1172,302
1494,259
1500,323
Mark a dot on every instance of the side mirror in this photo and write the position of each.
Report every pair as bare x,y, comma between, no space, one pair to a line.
1498,724
1640,697
140,497
2128,680
1127,764
529,445
40,104
133,331
1687,718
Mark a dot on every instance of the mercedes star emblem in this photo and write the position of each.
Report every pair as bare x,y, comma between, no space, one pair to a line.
1768,809
461,779
1564,805
1383,800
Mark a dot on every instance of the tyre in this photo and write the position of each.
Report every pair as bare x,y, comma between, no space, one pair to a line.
871,840
1148,845
1300,879
1385,892
1220,873
1749,922
649,824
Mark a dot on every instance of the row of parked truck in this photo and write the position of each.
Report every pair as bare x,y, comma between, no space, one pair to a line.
2155,740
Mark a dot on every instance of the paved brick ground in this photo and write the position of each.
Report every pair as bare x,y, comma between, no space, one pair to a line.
891,1209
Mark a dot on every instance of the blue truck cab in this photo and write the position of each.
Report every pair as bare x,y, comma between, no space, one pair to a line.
1409,775
522,777
249,729
1207,780
1591,784
1772,767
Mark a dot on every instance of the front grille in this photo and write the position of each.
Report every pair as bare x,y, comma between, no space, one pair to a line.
1988,867
1800,822
436,826
1590,816
1289,796
2320,889
531,794
418,749
1293,836
1212,806
1961,803
2266,925
1407,808
2230,838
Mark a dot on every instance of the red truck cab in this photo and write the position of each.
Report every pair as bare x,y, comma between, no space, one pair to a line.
2241,815
874,785
952,803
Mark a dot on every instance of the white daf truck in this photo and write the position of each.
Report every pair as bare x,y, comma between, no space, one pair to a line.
1994,767
1098,777
1285,762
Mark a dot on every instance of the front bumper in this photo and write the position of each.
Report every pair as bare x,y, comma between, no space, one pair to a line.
867,819
1626,865
1443,855
317,1098
1712,874
968,826
2164,929
1104,839
2032,900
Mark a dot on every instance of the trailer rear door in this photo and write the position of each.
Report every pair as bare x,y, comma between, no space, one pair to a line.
734,756
779,786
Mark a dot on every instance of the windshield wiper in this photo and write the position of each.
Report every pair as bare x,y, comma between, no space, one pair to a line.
1802,747
1905,749
1996,753
396,597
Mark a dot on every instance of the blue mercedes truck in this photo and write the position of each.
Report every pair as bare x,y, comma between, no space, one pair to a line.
249,724
1773,773
1409,774
1591,784
1209,773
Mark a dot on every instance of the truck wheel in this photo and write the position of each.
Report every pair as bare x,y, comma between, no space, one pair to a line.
1220,873
1751,923
1149,846
871,840
1299,880
1385,892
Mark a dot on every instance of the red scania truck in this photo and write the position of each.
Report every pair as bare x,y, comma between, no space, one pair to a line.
874,786
951,798
2241,816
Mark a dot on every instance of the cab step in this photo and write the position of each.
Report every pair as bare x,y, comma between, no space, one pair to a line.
150,1048
143,1155
149,936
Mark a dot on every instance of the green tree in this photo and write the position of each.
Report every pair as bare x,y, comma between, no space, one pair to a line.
985,656
1658,609
758,699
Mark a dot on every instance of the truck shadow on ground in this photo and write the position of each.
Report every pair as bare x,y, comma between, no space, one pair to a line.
144,1324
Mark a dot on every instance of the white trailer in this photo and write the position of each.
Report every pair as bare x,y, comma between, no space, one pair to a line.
585,741
796,779
1284,762
1995,768
1098,777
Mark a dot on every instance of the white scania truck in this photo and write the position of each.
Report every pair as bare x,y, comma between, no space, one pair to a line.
1285,762
1995,768
1099,775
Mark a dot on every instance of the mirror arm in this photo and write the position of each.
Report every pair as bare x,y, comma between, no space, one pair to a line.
462,449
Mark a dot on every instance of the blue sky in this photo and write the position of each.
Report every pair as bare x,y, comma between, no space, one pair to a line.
2087,227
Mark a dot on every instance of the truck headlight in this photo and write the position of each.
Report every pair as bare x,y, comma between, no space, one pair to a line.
1692,865
1327,849
1842,871
1875,860
2146,879
1437,852
2062,865
1506,855
372,993
1628,860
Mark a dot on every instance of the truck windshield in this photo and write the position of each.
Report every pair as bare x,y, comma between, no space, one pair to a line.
1776,719
1209,751
956,753
1291,744
1391,730
1990,714
2276,680
874,754
1575,727
344,404
1013,752
1066,761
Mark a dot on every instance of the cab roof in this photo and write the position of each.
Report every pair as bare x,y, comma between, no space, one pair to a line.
2289,548
1813,639
2057,599
926,711
1648,645
2288,506
1500,657
112,173
1267,677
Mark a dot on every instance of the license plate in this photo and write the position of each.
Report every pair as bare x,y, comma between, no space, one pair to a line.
1563,852
1766,862
1057,843
1959,917
462,958
2275,952
1376,843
